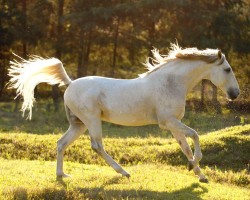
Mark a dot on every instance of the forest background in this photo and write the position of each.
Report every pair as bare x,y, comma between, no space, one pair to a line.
113,38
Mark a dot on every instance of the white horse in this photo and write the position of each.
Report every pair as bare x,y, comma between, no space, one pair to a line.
155,97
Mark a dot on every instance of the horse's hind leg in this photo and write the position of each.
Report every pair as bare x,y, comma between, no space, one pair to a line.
74,131
95,131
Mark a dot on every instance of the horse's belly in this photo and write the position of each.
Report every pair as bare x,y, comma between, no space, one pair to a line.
129,119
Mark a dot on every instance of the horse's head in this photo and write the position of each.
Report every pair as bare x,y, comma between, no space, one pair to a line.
223,77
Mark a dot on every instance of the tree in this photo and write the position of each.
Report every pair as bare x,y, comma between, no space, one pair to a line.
112,38
59,46
5,41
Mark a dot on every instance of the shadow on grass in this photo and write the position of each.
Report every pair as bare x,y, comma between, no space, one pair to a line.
232,155
194,191
226,153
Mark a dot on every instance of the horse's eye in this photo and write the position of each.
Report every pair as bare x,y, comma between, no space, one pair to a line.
228,70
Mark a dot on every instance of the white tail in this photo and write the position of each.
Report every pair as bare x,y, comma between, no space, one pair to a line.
27,74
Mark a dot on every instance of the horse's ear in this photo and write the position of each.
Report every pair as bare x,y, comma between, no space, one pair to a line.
219,54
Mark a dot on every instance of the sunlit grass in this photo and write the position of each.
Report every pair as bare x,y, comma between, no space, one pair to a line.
22,179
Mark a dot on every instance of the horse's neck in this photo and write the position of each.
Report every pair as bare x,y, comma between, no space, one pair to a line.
198,70
187,73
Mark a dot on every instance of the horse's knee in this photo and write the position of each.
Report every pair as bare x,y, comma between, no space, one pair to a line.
192,134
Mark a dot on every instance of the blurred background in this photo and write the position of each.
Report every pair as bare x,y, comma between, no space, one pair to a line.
113,38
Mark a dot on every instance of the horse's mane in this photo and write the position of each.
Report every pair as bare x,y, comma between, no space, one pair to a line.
175,52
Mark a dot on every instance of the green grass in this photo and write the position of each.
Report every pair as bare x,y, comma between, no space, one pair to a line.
157,167
35,180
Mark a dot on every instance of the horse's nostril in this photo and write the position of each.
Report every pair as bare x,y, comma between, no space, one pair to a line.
233,93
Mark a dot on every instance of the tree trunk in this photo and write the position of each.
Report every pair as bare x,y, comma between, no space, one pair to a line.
83,53
203,91
80,56
215,101
3,71
151,38
24,42
59,45
116,35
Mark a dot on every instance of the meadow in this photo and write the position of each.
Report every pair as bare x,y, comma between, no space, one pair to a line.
153,158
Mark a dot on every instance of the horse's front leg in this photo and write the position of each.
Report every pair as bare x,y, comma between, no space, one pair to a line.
181,139
179,131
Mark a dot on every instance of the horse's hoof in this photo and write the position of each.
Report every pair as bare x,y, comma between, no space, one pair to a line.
61,176
127,175
190,165
203,180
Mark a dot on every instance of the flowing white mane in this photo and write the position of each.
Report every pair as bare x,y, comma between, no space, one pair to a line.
175,52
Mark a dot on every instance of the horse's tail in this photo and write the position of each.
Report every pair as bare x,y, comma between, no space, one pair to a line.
27,74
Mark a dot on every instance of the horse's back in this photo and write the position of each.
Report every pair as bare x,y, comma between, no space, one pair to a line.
95,85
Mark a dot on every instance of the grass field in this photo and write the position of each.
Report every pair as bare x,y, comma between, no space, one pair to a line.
22,179
156,164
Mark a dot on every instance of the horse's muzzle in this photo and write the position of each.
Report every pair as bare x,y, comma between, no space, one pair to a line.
233,93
